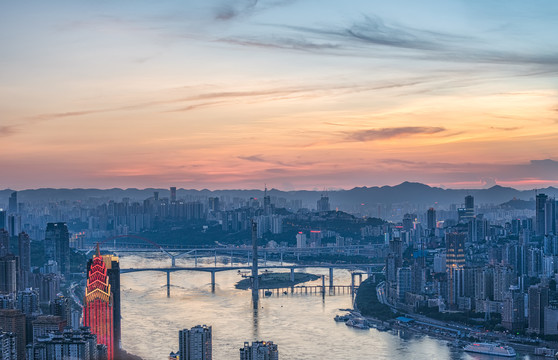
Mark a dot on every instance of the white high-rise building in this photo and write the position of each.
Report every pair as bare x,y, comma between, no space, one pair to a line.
195,344
301,240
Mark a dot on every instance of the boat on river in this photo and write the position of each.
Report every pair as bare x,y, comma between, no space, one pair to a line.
490,349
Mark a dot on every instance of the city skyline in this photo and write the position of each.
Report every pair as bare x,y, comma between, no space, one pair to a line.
296,94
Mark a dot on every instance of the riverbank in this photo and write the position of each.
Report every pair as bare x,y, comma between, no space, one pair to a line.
127,356
277,280
367,303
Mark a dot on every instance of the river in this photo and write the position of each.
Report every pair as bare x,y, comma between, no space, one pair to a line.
301,325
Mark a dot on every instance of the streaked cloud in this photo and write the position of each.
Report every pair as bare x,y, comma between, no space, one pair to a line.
7,130
389,133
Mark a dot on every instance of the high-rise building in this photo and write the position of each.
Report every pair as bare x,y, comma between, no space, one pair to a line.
259,350
8,346
24,244
267,203
12,204
550,217
4,242
538,300
3,218
540,219
112,264
9,265
301,240
173,194
513,314
76,345
455,250
14,224
469,207
323,203
431,219
403,282
49,287
503,279
14,321
455,261
195,343
57,245
45,324
27,302
98,309
61,306
214,204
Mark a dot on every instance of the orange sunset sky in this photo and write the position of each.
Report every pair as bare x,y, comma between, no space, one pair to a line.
306,94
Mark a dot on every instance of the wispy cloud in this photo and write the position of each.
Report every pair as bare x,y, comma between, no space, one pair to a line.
362,39
254,158
389,133
227,10
230,9
7,130
505,128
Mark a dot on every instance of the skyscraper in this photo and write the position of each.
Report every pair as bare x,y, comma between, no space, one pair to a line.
323,203
173,194
9,266
550,217
455,261
259,350
267,203
98,309
4,242
540,205
538,300
431,219
24,244
57,245
469,207
3,219
112,265
513,313
195,343
12,205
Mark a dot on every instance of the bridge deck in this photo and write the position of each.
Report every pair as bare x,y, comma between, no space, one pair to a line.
363,267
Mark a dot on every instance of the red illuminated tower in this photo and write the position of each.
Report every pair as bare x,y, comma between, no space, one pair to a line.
98,309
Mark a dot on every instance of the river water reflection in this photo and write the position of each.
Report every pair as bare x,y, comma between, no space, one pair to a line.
301,325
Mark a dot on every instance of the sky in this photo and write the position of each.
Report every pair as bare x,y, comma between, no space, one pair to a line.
295,94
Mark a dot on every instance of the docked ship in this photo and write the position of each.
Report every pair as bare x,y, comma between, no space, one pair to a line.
490,349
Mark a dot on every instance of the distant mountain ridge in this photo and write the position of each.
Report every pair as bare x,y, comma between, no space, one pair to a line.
406,192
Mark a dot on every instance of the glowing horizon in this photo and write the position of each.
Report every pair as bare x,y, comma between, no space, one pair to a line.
297,94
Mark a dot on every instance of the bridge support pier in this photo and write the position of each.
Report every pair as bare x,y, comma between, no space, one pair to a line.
213,281
292,275
330,278
196,258
359,279
173,261
369,272
281,258
265,258
323,286
352,284
168,283
232,259
215,258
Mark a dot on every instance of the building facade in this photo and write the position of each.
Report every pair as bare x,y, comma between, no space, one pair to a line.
98,309
195,343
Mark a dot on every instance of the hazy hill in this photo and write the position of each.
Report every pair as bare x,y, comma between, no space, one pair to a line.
409,192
